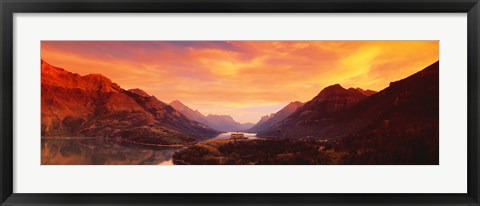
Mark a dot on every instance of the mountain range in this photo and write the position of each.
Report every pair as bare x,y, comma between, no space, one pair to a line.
93,106
333,97
223,123
410,104
269,120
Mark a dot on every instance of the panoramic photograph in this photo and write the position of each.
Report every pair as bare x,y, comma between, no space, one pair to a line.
239,102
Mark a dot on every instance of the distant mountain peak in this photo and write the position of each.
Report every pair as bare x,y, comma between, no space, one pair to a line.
333,88
139,92
429,70
223,123
178,105
226,123
294,104
367,92
291,107
221,116
94,78
97,77
187,111
46,67
329,91
337,91
269,120
92,82
177,102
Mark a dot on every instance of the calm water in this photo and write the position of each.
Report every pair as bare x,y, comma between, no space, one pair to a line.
227,135
91,151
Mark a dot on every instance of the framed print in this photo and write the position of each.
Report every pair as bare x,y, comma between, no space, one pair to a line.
239,102
90,120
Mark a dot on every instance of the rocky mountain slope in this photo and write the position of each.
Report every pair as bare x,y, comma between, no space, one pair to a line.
410,104
223,123
190,113
272,119
94,106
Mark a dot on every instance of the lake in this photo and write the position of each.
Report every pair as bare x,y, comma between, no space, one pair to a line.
226,135
98,151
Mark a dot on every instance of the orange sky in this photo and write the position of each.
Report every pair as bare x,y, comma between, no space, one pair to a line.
244,79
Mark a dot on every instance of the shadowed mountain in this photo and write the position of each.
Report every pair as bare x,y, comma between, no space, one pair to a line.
265,118
274,118
331,99
94,106
407,105
367,92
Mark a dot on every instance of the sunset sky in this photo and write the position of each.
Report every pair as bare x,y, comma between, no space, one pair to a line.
244,79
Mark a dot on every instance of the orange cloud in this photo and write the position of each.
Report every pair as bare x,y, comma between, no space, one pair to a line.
245,79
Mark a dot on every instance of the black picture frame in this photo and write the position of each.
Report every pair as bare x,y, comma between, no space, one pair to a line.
10,7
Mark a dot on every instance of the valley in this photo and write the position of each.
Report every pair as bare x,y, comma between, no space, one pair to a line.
346,126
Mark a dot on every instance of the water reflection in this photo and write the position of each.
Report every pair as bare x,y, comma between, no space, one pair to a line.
98,151
101,152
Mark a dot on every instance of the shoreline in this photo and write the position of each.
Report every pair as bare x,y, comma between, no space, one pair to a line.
119,140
